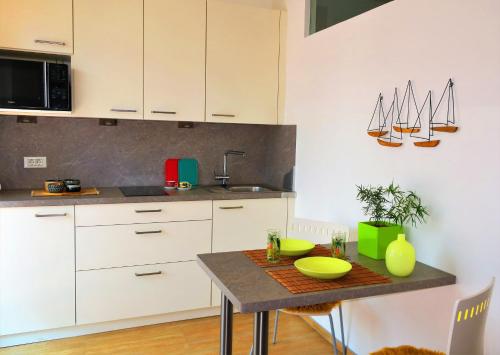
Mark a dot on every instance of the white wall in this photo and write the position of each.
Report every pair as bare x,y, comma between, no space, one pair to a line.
333,79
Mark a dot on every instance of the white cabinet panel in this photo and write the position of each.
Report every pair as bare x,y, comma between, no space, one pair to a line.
140,244
109,294
242,224
108,59
242,63
174,60
37,271
34,25
151,212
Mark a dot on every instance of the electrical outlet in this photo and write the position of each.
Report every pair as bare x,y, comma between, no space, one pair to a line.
35,162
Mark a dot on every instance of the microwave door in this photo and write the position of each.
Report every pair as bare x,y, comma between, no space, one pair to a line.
22,84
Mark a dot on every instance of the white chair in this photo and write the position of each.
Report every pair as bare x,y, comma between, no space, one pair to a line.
467,328
319,233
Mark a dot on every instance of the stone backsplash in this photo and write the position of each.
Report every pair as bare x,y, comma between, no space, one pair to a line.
133,152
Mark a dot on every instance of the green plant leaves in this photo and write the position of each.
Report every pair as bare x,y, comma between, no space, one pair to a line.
391,204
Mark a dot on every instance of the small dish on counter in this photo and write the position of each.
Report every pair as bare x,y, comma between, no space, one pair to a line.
323,267
295,247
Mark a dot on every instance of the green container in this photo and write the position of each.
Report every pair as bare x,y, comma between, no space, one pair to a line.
373,241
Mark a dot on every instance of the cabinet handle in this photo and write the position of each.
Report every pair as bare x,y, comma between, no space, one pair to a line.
222,115
148,211
55,43
231,207
122,110
165,112
148,232
43,215
139,274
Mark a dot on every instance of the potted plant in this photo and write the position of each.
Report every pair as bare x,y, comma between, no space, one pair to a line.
389,209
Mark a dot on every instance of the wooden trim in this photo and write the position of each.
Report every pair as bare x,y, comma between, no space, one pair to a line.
446,129
406,130
427,144
377,133
324,333
389,144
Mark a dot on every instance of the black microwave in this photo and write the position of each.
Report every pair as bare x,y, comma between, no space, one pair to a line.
35,84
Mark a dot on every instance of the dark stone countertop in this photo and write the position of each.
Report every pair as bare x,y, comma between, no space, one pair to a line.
22,198
251,289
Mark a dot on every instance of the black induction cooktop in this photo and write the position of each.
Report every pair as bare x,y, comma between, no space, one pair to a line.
130,191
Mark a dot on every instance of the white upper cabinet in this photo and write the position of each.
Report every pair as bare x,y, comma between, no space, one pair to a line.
108,59
37,268
174,60
242,63
34,25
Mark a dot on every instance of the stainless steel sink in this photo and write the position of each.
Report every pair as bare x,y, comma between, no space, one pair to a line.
241,188
248,189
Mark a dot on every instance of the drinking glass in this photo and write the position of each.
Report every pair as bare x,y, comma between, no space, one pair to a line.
339,240
273,245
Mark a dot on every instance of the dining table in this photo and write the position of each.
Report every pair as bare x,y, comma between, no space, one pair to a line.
250,289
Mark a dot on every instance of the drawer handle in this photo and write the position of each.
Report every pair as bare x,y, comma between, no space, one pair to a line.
139,274
149,232
231,207
165,112
222,115
122,110
148,211
56,43
43,215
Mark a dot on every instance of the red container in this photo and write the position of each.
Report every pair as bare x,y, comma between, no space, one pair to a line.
171,170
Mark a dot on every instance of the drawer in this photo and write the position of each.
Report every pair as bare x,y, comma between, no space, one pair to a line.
112,294
139,244
151,212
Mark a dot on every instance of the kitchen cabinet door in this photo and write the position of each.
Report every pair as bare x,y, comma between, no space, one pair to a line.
174,60
128,292
34,25
37,269
242,63
242,225
108,59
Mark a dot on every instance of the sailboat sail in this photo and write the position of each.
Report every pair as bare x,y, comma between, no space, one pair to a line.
405,112
393,111
427,141
449,125
378,131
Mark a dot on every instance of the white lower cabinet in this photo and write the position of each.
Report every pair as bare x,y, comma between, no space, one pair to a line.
111,294
37,270
242,225
140,244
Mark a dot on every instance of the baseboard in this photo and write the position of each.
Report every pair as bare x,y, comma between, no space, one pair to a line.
324,334
77,330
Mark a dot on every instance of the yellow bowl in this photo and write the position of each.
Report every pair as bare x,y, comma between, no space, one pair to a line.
322,267
295,247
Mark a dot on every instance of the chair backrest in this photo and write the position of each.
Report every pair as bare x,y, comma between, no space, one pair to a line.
468,323
315,231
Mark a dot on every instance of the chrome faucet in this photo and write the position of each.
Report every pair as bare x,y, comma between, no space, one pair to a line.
224,177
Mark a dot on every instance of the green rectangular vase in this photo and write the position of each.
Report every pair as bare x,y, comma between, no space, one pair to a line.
373,241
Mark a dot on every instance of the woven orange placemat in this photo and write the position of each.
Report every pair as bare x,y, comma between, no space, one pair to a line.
259,256
296,282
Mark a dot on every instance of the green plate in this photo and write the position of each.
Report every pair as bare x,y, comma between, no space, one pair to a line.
322,267
295,247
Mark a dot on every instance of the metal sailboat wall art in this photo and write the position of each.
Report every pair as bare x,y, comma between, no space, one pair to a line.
407,118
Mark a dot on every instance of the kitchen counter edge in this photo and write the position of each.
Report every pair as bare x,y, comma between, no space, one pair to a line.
111,195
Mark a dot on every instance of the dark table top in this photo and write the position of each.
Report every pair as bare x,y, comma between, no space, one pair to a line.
251,289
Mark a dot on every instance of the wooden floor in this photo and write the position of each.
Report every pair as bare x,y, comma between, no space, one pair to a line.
198,336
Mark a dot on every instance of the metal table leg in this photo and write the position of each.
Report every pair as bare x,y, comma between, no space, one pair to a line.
226,326
261,333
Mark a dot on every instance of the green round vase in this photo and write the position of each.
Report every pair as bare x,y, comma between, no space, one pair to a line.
400,257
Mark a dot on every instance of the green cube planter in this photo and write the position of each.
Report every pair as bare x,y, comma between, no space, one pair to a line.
373,241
